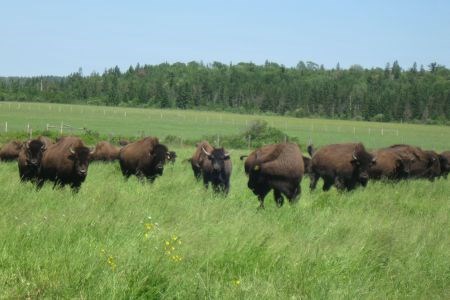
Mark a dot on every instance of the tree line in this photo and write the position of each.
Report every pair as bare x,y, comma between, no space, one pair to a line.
416,94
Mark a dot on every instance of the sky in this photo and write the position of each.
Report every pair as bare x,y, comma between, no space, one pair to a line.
58,37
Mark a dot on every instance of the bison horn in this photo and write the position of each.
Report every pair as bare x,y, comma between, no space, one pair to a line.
71,150
92,151
27,144
227,154
374,160
43,148
354,156
206,152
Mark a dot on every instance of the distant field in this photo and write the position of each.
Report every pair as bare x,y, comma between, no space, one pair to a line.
194,124
173,239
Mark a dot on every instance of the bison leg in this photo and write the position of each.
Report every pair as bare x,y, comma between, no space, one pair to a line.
328,183
197,173
205,181
295,195
314,178
279,200
262,193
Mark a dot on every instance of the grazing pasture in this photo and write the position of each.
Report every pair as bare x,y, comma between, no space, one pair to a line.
120,238
190,125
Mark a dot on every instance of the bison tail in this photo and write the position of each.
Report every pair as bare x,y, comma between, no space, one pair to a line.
310,149
242,157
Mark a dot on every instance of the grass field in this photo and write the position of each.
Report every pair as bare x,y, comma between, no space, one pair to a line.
194,124
174,239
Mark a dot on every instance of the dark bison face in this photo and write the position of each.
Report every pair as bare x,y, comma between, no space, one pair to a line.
403,164
159,155
80,157
434,165
171,156
33,152
362,161
445,165
217,158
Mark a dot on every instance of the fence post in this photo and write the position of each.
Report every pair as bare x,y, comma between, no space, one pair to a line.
249,141
354,130
6,126
47,127
382,131
28,127
61,130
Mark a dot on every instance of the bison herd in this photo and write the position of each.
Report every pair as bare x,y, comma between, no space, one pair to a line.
278,167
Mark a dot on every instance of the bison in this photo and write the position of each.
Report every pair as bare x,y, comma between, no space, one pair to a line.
344,165
391,164
425,164
444,160
10,151
307,164
279,167
45,140
29,160
105,151
65,163
214,165
172,156
144,158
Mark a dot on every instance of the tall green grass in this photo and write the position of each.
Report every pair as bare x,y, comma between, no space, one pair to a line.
109,240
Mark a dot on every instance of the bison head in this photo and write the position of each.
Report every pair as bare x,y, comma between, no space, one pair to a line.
445,165
403,164
362,161
159,154
33,152
80,157
171,156
218,156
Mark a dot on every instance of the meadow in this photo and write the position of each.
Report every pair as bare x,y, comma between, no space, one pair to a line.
174,239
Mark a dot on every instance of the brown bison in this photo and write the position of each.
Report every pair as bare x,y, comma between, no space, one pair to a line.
425,164
105,151
143,158
10,151
29,160
65,162
434,169
278,167
307,164
214,165
45,140
444,160
344,165
391,164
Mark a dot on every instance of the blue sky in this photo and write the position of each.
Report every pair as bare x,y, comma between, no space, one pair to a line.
58,37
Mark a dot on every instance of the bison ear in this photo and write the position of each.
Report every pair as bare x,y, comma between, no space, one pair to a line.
227,155
354,160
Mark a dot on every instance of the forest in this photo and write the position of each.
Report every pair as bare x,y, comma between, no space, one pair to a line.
391,94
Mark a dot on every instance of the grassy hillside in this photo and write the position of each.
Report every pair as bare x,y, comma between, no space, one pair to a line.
174,239
194,124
